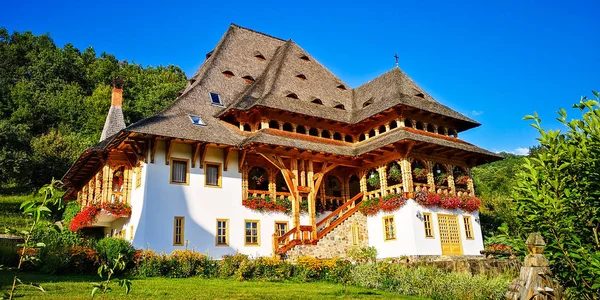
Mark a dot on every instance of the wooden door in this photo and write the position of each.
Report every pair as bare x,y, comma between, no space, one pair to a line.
449,234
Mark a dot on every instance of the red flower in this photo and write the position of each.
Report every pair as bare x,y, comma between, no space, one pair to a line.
89,214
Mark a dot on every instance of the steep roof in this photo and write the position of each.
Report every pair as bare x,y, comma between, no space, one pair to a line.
114,123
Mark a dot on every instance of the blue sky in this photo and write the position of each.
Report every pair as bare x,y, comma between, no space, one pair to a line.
493,61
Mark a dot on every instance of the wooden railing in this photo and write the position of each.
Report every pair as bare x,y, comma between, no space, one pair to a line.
395,189
330,202
442,189
281,195
258,193
325,225
373,194
421,187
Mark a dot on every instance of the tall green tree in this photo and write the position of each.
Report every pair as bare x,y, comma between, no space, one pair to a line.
46,89
558,194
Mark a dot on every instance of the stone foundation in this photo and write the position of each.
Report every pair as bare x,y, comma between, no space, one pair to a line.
336,243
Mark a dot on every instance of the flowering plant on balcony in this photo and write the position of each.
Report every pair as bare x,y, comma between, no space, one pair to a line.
451,202
389,203
373,179
265,204
461,180
420,174
441,179
89,214
469,203
429,199
395,174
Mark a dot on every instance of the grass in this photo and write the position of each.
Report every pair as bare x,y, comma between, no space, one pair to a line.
79,287
10,215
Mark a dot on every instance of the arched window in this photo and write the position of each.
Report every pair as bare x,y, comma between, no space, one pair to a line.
461,178
354,184
292,95
317,101
301,76
337,136
340,106
228,74
249,79
118,179
372,133
325,134
419,171
440,175
393,124
247,127
280,185
361,137
273,124
373,180
441,130
348,138
394,174
287,127
258,179
407,123
419,125
301,129
430,128
382,129
313,131
333,186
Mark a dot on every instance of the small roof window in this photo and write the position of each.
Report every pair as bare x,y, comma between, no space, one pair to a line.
341,87
420,95
197,120
304,57
292,95
228,74
317,101
249,79
301,76
216,99
259,56
340,106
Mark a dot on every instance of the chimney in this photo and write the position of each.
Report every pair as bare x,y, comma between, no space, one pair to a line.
115,121
117,92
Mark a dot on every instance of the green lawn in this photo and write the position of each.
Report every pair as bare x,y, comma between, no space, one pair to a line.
78,287
10,215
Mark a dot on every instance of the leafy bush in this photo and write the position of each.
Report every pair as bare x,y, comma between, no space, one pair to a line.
71,210
109,249
429,282
265,268
229,264
362,255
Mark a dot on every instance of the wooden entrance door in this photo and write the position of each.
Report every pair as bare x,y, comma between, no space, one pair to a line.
449,234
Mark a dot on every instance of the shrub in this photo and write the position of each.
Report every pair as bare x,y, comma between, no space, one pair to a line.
264,268
362,255
429,282
229,264
109,249
71,210
8,254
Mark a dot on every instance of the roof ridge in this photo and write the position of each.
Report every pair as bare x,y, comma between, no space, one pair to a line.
255,31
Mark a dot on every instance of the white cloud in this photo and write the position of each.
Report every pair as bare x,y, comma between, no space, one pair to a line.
477,113
517,151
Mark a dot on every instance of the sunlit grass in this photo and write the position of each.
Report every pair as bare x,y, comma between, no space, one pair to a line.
10,215
79,287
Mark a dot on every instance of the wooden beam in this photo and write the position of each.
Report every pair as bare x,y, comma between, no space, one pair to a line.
195,152
203,150
168,149
241,159
226,156
153,149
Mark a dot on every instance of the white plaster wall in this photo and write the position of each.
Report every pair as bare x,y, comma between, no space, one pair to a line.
201,206
410,232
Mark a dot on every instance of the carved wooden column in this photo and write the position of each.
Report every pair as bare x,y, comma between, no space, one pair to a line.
273,183
106,185
376,131
312,202
264,124
294,126
407,181
387,126
400,122
363,182
435,129
302,172
414,124
244,182
383,179
127,184
470,185
451,185
430,177
295,199
99,187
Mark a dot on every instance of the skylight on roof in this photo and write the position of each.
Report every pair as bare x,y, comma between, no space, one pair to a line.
197,120
216,99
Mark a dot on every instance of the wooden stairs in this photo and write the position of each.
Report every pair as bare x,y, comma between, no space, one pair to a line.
282,244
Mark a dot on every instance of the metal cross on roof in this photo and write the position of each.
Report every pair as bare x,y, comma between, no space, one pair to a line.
396,56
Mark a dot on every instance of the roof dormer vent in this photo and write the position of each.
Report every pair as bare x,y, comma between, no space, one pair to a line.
341,87
368,102
340,106
317,101
259,56
228,74
249,79
301,76
304,57
292,95
420,95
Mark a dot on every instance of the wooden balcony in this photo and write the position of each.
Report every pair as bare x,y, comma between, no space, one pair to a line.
395,189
